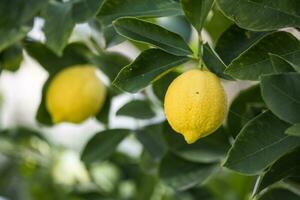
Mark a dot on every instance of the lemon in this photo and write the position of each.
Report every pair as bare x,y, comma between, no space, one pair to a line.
195,104
75,94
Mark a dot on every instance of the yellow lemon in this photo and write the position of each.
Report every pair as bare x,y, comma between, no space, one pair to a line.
195,104
75,94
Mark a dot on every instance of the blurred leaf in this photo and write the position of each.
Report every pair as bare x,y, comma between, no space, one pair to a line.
294,130
281,64
84,10
213,62
148,67
113,9
281,93
146,187
102,145
256,61
260,15
15,19
140,109
196,11
112,37
206,150
20,134
240,109
286,166
11,58
243,40
149,33
103,114
202,193
260,143
279,194
161,85
181,174
58,25
110,63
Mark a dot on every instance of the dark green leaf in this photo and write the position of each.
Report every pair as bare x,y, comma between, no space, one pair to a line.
294,130
84,10
181,174
58,25
11,58
279,194
148,67
281,93
149,33
140,109
281,64
112,37
286,166
102,145
213,62
243,108
196,11
256,60
261,142
243,40
113,9
209,149
262,15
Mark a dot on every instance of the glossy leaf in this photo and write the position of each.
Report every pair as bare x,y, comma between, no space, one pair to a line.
149,33
256,61
140,109
113,9
102,145
196,11
281,64
279,194
294,130
281,93
261,142
149,66
262,15
213,62
185,174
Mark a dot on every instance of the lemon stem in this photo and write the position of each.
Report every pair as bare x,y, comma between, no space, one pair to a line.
200,50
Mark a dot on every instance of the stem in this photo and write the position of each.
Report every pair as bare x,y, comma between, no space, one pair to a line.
200,51
257,182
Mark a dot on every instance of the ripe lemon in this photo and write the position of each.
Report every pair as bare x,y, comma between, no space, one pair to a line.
75,94
195,104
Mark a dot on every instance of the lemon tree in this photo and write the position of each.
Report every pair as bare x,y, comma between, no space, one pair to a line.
213,97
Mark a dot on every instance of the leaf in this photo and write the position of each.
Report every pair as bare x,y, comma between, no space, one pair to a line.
262,15
294,130
11,58
213,62
58,25
256,61
113,9
286,166
243,40
181,174
210,149
281,93
279,194
261,142
139,109
246,105
84,10
148,67
102,145
112,37
196,11
149,33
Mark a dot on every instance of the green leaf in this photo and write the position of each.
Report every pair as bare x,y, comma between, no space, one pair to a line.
294,130
148,67
262,15
113,9
140,109
212,148
281,93
112,37
213,62
281,64
149,33
243,40
261,142
181,174
84,10
279,194
160,86
246,105
11,58
286,166
59,25
102,145
196,11
256,60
